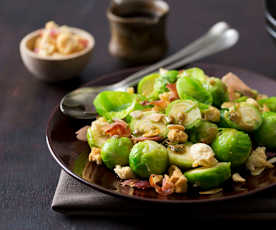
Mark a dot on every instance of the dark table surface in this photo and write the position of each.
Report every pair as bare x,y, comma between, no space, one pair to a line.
28,173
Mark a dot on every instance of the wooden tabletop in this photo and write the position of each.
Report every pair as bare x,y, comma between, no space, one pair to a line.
28,173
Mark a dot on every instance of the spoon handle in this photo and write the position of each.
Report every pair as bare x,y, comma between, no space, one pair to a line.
213,34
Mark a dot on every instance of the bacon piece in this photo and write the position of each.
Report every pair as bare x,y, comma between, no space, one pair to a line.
138,139
235,84
81,133
135,183
119,128
173,92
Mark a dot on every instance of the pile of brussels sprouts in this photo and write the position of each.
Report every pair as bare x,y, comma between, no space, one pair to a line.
201,111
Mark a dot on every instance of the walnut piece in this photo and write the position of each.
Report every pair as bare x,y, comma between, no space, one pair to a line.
124,172
211,114
236,177
177,136
257,161
95,156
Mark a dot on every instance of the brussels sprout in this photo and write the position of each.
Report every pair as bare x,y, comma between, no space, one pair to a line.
195,73
115,151
188,87
269,102
266,134
146,86
95,134
232,146
209,112
218,91
243,116
180,155
112,104
166,77
211,177
148,157
241,99
184,112
148,123
204,132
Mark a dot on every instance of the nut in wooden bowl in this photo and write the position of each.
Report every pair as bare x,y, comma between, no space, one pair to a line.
56,67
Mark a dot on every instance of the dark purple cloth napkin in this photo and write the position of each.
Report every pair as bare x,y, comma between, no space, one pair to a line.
74,198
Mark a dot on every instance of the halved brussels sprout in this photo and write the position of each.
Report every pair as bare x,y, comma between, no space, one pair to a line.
269,102
115,151
184,112
148,157
218,91
243,116
266,134
95,134
188,87
211,177
146,86
180,155
148,123
232,146
204,132
166,77
114,104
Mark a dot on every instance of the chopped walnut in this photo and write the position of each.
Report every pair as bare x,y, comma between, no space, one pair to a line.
157,117
203,155
257,161
236,177
178,179
152,132
180,127
124,172
130,90
166,185
177,136
95,156
211,114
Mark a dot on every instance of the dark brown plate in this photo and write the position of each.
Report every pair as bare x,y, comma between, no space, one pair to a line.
72,154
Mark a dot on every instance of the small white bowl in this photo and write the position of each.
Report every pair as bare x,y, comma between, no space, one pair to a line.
53,69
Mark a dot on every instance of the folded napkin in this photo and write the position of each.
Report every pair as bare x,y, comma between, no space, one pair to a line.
74,198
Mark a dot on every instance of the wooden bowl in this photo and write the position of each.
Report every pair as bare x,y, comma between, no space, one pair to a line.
54,69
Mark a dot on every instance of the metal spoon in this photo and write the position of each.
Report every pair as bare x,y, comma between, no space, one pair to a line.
79,103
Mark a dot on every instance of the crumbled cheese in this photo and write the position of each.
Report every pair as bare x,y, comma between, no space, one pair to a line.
236,177
95,156
203,155
257,161
124,172
252,102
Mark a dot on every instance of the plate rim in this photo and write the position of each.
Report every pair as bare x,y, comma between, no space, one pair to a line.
145,199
